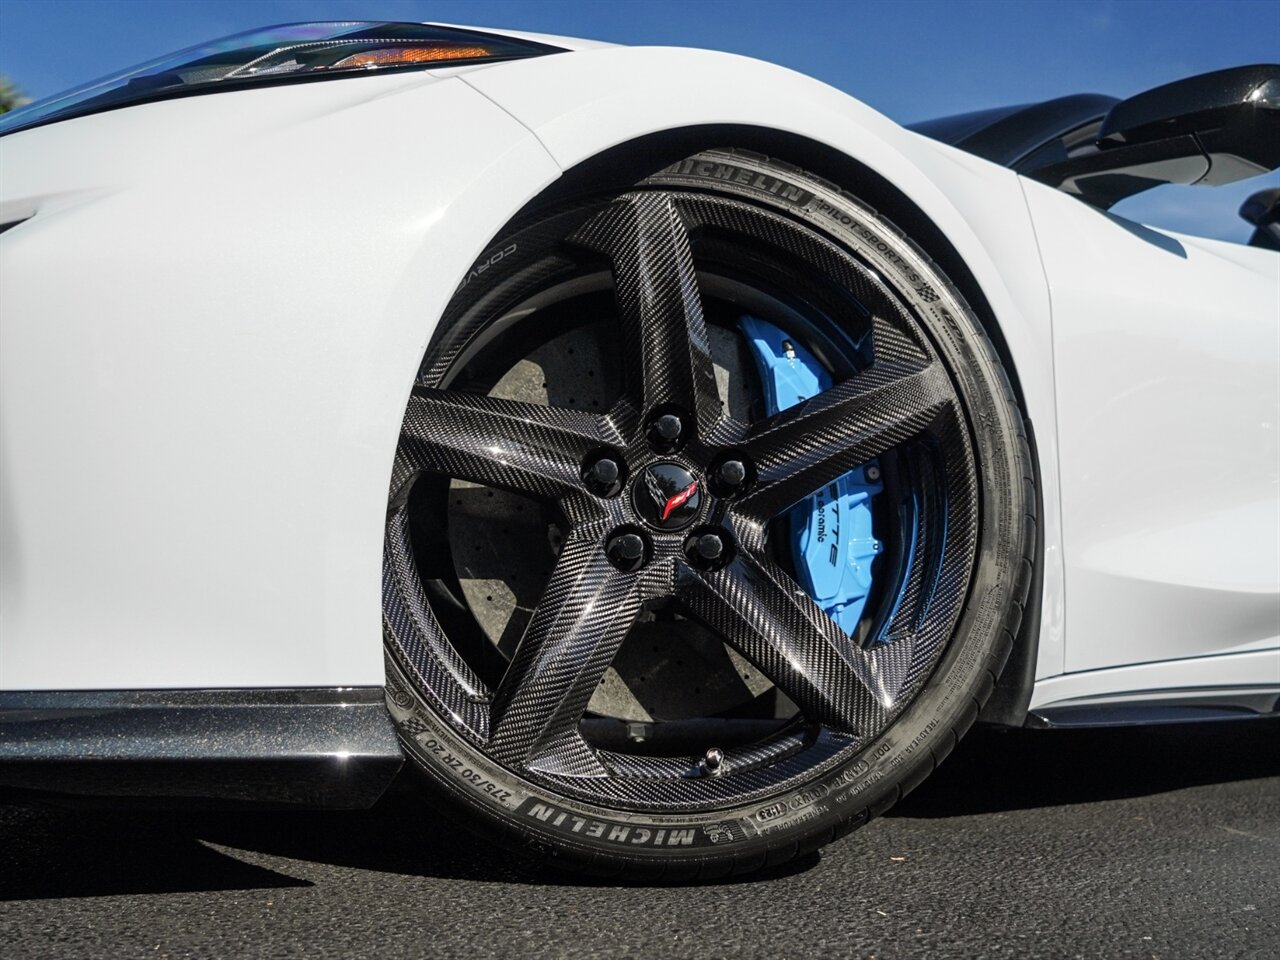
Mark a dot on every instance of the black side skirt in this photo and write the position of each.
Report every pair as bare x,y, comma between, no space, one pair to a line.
332,747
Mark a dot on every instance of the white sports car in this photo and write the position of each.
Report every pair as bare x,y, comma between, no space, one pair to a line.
663,454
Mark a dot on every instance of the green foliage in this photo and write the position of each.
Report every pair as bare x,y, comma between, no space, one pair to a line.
11,97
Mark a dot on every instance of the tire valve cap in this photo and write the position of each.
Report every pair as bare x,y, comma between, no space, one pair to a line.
714,761
626,551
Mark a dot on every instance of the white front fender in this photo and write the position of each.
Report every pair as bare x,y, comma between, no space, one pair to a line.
581,104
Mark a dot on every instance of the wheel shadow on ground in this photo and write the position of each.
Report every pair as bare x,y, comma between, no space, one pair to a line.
995,770
50,852
53,853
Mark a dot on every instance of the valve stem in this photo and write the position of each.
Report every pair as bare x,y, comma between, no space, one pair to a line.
714,761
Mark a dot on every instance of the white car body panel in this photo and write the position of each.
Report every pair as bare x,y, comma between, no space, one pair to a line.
1146,681
1167,355
194,473
210,513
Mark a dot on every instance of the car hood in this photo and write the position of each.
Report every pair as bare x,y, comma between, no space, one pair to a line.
66,162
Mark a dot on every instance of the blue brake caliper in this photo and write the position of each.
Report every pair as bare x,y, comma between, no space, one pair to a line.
831,537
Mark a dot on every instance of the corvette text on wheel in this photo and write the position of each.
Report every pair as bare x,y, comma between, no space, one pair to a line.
659,456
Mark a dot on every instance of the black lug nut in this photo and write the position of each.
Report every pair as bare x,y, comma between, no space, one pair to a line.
603,476
626,550
732,473
709,546
665,431
708,549
668,426
604,471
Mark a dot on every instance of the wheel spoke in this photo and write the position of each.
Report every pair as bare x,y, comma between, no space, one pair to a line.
770,620
802,448
521,447
668,352
572,637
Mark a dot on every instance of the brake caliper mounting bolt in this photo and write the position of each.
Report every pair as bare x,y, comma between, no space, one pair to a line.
626,550
873,473
714,761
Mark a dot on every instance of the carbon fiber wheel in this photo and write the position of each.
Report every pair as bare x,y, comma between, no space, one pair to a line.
654,690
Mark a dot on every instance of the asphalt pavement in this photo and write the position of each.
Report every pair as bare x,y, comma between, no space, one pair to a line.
1150,843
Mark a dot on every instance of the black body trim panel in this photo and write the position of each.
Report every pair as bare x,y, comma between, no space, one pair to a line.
1159,706
333,747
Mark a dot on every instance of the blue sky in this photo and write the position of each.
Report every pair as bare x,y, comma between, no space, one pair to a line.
911,59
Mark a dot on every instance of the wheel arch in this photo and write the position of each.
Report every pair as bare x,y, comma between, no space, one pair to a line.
620,165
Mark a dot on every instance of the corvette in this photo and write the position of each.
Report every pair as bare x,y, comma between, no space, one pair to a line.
659,455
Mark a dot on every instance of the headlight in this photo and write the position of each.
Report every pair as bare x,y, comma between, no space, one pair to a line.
289,53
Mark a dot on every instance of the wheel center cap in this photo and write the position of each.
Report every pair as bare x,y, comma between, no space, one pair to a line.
666,495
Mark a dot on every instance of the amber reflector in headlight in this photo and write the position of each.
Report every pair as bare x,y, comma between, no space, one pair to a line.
402,56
